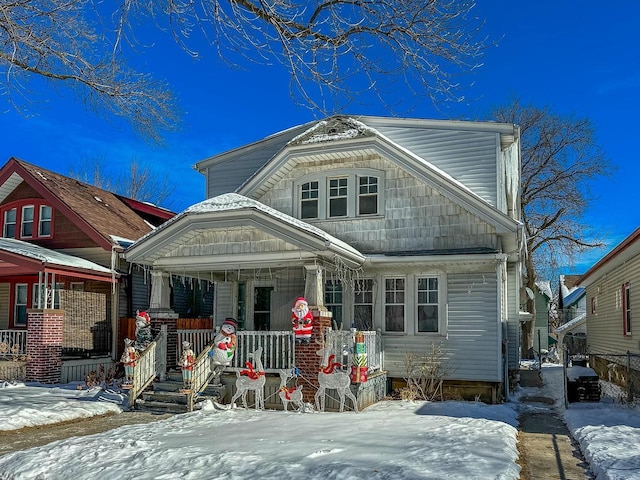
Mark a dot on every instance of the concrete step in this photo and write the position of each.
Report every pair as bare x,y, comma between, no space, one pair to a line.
160,407
168,386
167,397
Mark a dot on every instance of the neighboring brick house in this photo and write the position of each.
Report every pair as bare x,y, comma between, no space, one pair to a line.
409,227
60,261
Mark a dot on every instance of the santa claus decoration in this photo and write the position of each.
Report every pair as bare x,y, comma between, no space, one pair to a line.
302,321
186,363
128,360
224,344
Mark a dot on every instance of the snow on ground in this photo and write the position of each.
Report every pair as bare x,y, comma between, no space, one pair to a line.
390,440
36,404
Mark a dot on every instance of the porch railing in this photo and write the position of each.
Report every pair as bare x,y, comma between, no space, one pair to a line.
278,350
152,362
340,343
201,375
13,342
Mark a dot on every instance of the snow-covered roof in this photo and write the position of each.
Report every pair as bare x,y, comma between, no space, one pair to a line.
574,296
545,287
49,257
576,322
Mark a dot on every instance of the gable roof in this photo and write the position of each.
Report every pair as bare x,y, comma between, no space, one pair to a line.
102,215
232,210
341,137
625,250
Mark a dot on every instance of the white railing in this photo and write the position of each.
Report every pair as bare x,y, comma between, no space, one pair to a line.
278,350
13,342
199,339
78,370
201,375
152,362
340,344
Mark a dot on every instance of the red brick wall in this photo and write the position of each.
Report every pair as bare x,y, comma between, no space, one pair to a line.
44,345
306,359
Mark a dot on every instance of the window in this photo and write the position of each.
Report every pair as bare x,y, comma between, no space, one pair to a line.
594,305
26,230
626,309
428,307
338,197
363,304
44,222
367,195
20,305
31,216
347,194
333,299
394,304
9,228
309,200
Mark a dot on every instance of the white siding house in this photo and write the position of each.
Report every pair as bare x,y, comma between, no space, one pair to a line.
405,226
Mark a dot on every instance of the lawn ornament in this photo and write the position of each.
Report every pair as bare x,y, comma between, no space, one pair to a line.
143,330
224,344
359,369
128,359
302,321
289,394
187,362
331,377
251,379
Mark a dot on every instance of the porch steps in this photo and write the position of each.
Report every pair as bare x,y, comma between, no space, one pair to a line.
165,397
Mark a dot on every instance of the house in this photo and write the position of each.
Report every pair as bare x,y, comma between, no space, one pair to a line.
543,298
610,296
405,226
61,271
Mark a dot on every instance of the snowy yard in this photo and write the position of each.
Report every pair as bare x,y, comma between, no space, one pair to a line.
390,440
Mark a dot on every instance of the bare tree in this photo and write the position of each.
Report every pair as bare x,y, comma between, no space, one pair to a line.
560,161
333,49
138,181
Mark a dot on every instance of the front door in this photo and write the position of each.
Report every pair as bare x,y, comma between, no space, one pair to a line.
262,308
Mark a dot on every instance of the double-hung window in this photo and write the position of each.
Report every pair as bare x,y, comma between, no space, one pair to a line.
363,304
394,305
428,299
333,299
340,194
44,221
20,304
9,228
626,309
26,229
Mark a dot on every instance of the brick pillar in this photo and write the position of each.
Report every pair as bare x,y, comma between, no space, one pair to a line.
44,345
170,319
307,361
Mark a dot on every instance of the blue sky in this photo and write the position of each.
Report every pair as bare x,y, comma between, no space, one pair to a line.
579,58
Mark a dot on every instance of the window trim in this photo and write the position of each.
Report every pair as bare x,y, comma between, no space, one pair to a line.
41,221
330,298
353,193
15,305
20,206
358,289
626,309
440,304
385,303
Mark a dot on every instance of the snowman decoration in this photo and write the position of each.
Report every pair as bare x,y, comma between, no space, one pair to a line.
302,321
224,344
143,330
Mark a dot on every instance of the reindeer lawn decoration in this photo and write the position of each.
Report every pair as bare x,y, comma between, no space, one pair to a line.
250,379
289,395
331,378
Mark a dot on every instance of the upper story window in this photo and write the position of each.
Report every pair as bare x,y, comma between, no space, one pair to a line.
344,194
26,228
27,219
9,226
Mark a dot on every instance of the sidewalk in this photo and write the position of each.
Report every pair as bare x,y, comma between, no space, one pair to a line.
546,449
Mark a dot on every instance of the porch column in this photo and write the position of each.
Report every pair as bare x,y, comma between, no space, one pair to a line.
160,292
307,361
314,286
44,345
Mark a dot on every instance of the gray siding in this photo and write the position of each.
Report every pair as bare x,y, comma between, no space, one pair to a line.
605,328
469,157
513,327
141,290
471,349
224,301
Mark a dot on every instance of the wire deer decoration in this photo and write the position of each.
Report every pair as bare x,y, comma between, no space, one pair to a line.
289,395
331,378
250,379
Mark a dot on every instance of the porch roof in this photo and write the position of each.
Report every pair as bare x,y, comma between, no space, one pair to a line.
23,258
160,248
